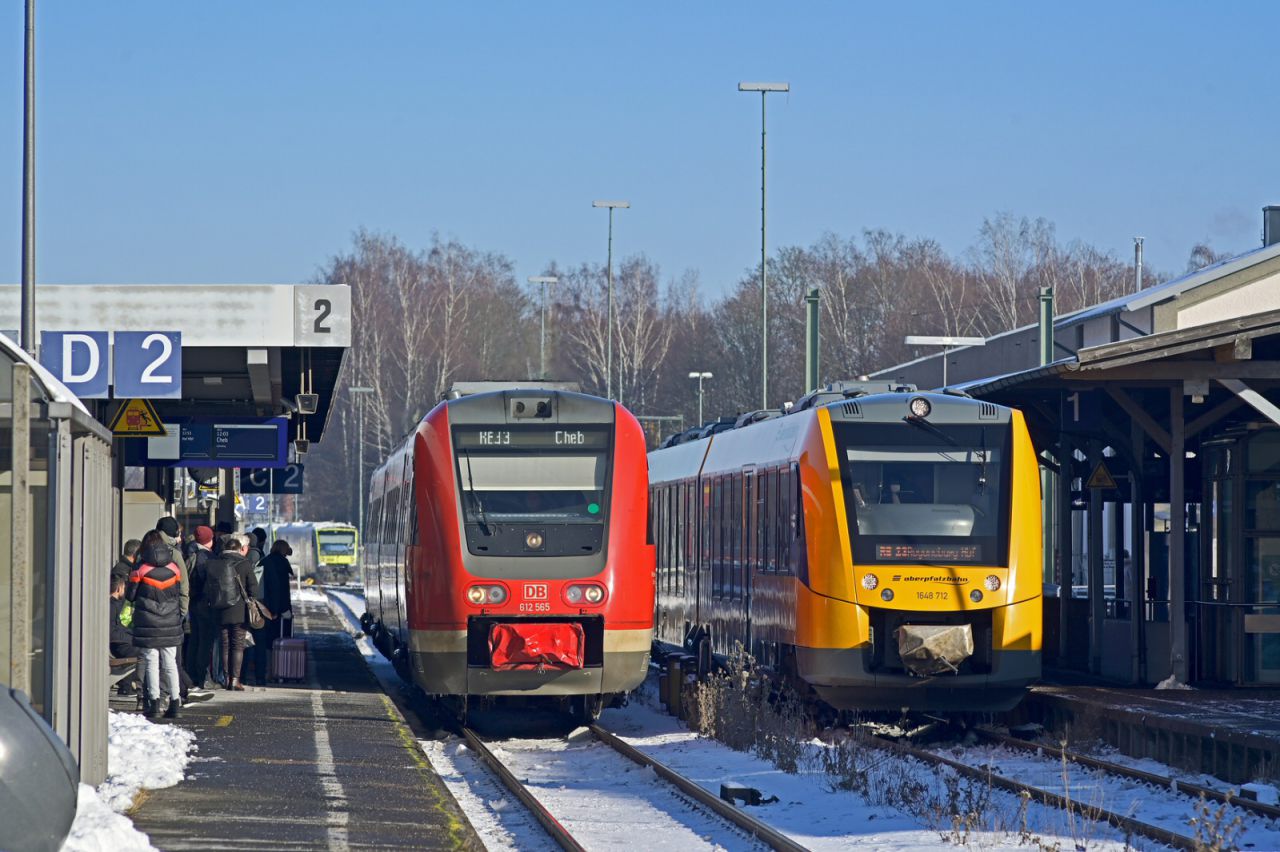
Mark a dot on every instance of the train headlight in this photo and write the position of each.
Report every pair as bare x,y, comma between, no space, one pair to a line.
869,581
920,407
476,594
533,540
586,593
992,583
886,595
479,595
497,594
975,596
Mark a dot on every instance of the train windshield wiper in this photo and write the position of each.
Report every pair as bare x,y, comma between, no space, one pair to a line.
475,495
925,425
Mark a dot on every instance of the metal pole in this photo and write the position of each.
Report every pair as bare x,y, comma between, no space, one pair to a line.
945,350
18,671
608,358
811,341
764,274
360,468
28,321
1137,264
542,336
700,399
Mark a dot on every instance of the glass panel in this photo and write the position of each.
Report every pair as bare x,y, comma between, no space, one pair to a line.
1263,587
1262,505
1264,453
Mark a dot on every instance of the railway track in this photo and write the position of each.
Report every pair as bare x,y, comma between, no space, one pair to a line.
1163,781
741,821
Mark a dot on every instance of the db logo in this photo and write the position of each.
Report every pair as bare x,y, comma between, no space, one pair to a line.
535,591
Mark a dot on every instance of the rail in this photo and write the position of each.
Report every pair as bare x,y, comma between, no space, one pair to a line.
1089,812
771,837
1185,787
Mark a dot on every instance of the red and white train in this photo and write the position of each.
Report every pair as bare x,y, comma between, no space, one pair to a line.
507,552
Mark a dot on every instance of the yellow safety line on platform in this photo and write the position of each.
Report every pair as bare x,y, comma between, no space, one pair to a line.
457,831
223,722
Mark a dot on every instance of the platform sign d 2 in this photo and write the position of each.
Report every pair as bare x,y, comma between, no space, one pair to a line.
78,359
148,364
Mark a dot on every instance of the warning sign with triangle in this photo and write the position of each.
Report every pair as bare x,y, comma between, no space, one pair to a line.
137,418
1101,478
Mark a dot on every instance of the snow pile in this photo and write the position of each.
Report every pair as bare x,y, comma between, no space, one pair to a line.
1171,682
142,755
314,594
1264,793
97,828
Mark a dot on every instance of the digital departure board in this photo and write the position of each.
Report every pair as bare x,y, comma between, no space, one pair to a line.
568,438
948,553
214,442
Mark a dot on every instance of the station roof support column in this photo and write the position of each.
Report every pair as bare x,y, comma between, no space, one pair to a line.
1178,648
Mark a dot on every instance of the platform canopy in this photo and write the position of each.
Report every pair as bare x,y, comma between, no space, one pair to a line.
246,349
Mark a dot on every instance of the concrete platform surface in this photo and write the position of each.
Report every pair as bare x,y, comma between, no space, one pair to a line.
1233,734
330,764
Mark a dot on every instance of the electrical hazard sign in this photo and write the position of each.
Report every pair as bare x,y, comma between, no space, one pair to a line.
1101,478
137,418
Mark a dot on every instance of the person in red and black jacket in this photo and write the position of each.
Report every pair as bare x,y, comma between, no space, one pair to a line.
154,587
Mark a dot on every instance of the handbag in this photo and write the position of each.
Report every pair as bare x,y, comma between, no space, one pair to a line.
257,613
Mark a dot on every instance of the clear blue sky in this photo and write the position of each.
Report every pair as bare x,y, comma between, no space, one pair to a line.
244,142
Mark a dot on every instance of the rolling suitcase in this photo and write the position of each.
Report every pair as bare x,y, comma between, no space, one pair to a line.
289,659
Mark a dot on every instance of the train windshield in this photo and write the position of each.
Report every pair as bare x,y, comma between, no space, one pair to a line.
923,493
337,542
545,476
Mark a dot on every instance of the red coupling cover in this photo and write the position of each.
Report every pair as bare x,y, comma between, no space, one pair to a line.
524,646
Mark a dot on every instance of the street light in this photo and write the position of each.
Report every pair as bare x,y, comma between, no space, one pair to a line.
764,89
360,483
608,358
544,280
700,377
946,343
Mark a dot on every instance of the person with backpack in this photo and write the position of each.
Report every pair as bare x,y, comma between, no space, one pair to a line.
229,583
154,588
202,619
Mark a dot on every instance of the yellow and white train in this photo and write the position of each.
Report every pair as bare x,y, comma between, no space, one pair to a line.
884,549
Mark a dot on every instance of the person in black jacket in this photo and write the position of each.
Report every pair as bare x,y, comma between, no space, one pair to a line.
276,574
203,620
128,560
154,587
233,568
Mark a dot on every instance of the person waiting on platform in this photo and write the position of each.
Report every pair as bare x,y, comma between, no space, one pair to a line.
153,588
203,620
230,582
276,574
120,634
128,560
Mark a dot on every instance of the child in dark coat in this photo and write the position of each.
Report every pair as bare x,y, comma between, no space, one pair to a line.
154,587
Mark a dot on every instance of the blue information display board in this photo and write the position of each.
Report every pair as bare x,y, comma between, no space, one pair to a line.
279,480
214,442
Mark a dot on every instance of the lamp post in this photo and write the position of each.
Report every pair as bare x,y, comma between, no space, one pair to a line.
27,332
764,89
608,357
946,343
360,483
700,377
544,280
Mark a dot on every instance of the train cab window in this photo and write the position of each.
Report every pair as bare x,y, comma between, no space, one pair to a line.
374,523
928,495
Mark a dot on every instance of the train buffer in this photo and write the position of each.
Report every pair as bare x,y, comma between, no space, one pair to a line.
328,763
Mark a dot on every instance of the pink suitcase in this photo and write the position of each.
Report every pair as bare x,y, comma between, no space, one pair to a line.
289,659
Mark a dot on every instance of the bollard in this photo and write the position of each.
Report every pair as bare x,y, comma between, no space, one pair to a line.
675,677
663,697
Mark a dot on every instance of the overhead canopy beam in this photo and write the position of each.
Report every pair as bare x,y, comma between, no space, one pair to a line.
1177,371
1251,396
1153,429
259,364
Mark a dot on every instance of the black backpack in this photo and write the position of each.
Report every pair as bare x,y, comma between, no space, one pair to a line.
220,587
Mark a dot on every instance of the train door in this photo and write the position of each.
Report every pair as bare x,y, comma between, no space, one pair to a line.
369,556
387,553
405,550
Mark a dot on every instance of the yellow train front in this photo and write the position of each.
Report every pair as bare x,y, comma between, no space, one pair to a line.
883,549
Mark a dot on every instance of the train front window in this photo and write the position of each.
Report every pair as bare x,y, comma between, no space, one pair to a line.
337,543
543,476
931,494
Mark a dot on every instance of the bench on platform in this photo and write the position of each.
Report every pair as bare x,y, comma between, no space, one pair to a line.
120,668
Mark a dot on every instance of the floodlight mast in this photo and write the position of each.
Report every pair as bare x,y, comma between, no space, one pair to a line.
544,280
764,89
608,358
700,377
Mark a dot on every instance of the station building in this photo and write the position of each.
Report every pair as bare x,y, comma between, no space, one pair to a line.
1159,432
236,375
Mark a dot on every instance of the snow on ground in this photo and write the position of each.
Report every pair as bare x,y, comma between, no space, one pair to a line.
1158,806
314,594
140,755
